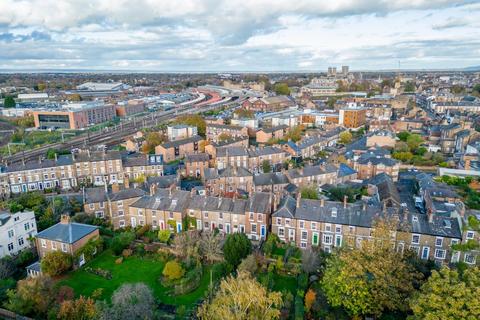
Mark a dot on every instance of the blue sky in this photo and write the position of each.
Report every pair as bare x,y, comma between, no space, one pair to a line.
234,35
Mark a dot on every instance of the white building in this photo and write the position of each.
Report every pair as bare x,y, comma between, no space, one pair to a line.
245,122
15,230
178,132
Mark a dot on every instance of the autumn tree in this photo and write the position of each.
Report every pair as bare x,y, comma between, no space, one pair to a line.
193,120
448,295
309,192
295,133
131,301
414,141
237,246
346,137
241,298
33,297
249,264
79,309
224,136
152,140
56,262
372,278
309,299
310,261
244,113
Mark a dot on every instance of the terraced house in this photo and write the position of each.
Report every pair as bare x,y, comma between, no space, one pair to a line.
251,216
329,224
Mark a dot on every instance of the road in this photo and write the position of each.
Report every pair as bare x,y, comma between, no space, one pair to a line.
115,135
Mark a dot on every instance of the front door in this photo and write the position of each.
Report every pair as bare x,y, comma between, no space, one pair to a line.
133,222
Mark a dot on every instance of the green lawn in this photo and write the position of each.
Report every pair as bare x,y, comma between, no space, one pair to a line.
132,269
284,282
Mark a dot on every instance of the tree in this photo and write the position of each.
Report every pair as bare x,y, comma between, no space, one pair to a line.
403,136
310,261
131,301
310,297
121,241
372,278
409,86
295,133
33,297
476,89
56,263
152,140
401,146
9,102
164,235
249,264
224,136
244,113
414,141
403,156
210,246
282,89
79,309
193,120
345,137
266,167
309,192
7,267
237,246
173,270
448,295
241,298
187,245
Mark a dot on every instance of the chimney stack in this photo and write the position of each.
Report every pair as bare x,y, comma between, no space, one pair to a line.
126,181
299,197
322,202
153,189
384,207
345,198
56,157
65,219
115,188
430,215
364,206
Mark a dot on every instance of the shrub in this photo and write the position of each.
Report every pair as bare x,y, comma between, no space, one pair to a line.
56,263
173,270
121,241
237,246
26,257
127,253
141,231
100,272
164,235
140,249
119,260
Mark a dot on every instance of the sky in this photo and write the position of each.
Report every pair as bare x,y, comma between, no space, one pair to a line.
238,35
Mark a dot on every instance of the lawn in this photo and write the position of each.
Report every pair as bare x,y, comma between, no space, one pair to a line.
132,269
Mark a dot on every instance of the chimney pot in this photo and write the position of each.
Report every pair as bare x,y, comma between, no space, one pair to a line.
65,219
299,197
345,198
322,202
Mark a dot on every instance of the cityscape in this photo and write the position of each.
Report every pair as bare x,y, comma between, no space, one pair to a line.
232,160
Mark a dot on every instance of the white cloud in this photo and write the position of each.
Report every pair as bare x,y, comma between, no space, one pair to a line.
244,35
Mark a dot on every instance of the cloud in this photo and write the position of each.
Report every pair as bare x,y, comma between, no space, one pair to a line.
246,35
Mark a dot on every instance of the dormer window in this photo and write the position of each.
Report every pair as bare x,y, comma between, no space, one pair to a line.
334,212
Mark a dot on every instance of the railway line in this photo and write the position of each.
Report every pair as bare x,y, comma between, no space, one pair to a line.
114,135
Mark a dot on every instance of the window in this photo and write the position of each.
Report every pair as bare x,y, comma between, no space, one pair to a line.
425,252
438,242
121,223
304,235
11,233
21,241
338,229
26,226
351,229
415,238
154,213
303,245
120,213
120,203
251,216
327,239
206,225
302,224
64,247
10,246
328,227
43,243
470,235
102,204
205,214
470,258
454,241
53,244
260,217
91,206
254,228
220,215
281,232
287,222
440,253
279,221
170,215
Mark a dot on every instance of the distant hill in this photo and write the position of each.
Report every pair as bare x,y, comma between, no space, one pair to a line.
472,68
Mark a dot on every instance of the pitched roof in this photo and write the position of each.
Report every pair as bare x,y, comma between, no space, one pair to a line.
67,232
177,143
267,179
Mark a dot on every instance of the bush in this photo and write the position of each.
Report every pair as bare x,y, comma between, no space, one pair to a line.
164,235
121,241
119,260
237,246
141,231
100,272
56,263
127,253
173,270
26,257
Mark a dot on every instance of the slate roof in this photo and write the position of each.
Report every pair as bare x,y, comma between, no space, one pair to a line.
162,181
309,171
257,152
164,199
214,173
199,157
62,160
97,156
259,202
232,151
274,129
386,187
271,178
344,170
95,195
371,157
67,232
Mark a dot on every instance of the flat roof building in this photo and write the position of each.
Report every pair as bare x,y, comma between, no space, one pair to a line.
74,116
